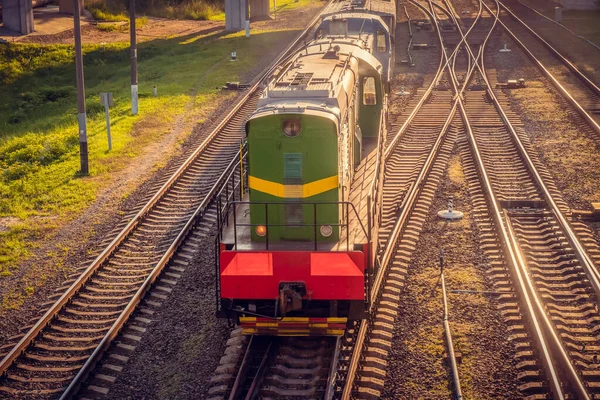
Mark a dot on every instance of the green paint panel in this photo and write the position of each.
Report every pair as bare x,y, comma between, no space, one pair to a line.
308,157
317,143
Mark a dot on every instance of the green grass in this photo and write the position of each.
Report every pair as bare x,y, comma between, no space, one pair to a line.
195,10
39,147
287,5
122,27
103,10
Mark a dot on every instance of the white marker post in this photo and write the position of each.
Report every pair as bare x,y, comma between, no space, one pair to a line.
106,99
451,213
247,28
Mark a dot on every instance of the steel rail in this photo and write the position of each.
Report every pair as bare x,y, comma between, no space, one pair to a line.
236,389
254,386
409,202
50,314
510,244
593,124
410,35
587,81
422,101
441,68
581,253
522,265
546,359
448,334
330,391
242,375
559,24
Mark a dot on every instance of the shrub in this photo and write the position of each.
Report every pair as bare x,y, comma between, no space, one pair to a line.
53,150
26,154
17,171
55,94
112,27
194,9
93,106
17,116
30,98
107,10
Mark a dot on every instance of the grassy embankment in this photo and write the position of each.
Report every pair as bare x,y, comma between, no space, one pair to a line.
40,188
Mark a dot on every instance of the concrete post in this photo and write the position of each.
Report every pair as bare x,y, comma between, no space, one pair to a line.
235,15
259,8
18,15
558,14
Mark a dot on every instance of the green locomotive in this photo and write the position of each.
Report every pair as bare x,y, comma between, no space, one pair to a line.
295,254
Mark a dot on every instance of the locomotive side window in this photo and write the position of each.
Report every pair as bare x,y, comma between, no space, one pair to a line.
381,45
369,92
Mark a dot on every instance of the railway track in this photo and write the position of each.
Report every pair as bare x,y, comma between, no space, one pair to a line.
579,91
98,302
56,354
550,344
555,277
290,368
555,365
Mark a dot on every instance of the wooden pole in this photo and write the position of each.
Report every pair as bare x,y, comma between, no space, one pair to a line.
81,116
133,51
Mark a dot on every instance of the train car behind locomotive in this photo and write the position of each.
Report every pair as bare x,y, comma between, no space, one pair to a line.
373,21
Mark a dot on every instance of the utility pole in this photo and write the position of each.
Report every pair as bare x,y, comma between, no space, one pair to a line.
133,45
83,146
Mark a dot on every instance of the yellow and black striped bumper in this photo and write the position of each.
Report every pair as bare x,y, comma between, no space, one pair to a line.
293,326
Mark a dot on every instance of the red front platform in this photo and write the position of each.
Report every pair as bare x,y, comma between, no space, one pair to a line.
327,275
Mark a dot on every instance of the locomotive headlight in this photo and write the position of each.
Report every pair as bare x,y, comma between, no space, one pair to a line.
291,127
261,230
326,230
